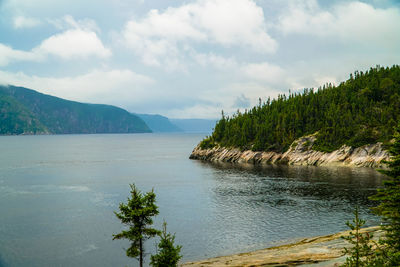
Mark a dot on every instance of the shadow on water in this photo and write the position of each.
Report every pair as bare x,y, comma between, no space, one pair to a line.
255,206
2,263
282,185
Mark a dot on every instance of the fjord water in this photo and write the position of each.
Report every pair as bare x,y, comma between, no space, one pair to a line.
58,194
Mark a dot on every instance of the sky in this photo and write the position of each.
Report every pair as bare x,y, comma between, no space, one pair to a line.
192,58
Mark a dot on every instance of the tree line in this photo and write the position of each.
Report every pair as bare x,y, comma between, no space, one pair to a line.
362,110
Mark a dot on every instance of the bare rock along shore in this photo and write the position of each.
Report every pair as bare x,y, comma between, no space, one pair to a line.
299,153
316,251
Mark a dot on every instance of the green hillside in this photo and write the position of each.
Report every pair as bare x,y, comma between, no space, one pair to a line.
24,111
15,118
364,109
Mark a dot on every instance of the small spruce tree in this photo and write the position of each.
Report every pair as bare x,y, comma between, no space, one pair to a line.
138,214
168,254
361,253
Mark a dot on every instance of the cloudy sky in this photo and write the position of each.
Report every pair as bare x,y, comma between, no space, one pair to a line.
193,58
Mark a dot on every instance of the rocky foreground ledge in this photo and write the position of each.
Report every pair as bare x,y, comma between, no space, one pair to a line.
299,153
316,251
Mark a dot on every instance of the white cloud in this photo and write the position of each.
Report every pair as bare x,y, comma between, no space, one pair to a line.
228,49
25,22
8,54
264,72
252,90
230,98
71,44
354,22
206,111
74,43
116,87
80,40
216,61
161,36
241,102
67,22
234,22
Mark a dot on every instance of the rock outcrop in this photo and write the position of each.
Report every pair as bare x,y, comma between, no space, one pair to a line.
318,251
299,153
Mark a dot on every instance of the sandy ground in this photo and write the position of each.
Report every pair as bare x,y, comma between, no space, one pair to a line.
316,251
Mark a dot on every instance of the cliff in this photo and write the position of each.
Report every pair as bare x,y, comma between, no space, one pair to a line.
299,153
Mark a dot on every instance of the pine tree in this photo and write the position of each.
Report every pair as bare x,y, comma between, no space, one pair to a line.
168,254
389,204
138,214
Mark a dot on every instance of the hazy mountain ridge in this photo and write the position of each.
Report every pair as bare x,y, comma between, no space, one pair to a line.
195,125
159,123
162,124
25,111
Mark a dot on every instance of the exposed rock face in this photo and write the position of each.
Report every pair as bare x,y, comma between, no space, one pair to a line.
318,251
300,153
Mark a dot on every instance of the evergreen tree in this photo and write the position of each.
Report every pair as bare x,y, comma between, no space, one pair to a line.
138,214
361,253
168,254
389,205
387,253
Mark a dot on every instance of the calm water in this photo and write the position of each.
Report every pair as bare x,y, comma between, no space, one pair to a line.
58,194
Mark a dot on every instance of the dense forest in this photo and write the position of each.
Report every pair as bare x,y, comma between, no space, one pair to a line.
362,110
25,111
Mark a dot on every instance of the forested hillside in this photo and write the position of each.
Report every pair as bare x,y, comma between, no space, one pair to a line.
24,111
364,109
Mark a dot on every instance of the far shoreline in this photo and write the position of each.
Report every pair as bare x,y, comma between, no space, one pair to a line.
299,153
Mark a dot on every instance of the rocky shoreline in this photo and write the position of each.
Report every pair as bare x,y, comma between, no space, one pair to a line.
299,153
315,251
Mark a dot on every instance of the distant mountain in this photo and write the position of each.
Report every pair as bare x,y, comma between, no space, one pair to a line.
158,123
195,125
25,111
